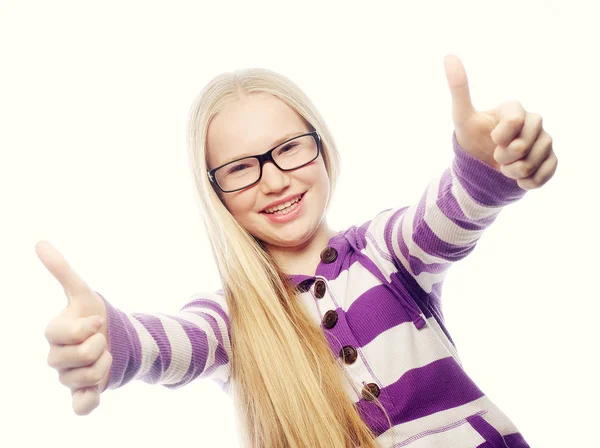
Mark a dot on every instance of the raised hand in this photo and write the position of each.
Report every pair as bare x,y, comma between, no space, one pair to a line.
507,138
78,336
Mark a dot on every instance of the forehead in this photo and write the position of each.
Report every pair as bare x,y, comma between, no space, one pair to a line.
248,126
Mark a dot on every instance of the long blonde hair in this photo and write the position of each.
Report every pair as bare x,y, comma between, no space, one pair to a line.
287,385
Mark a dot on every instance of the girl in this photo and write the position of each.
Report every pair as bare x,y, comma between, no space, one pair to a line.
323,338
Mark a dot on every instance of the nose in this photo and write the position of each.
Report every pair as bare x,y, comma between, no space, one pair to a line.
273,179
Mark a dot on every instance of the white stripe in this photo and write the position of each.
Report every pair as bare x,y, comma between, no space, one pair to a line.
222,373
149,348
203,325
425,279
407,222
443,227
220,323
402,348
471,209
351,284
443,338
181,350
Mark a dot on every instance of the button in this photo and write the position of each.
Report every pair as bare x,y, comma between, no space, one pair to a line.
328,255
370,388
305,285
330,319
320,289
348,354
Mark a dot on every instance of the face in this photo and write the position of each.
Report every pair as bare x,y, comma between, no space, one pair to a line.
251,126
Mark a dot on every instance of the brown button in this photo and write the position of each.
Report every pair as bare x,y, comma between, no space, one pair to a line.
348,354
330,319
320,289
328,255
305,285
369,391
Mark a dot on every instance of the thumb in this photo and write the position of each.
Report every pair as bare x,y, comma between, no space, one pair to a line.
462,107
52,259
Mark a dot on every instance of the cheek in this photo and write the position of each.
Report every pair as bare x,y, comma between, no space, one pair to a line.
239,203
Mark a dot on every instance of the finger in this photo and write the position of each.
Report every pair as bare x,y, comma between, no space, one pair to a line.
80,355
87,376
542,175
511,119
525,167
462,106
67,330
85,400
520,146
52,259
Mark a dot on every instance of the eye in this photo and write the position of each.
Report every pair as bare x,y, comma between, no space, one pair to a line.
287,148
238,168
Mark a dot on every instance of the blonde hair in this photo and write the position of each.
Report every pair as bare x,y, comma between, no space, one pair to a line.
287,385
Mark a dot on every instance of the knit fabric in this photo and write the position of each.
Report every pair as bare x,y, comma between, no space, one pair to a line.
378,302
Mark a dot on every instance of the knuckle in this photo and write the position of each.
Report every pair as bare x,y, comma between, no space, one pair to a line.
518,146
516,121
527,169
52,360
537,120
77,331
86,354
93,376
64,378
101,341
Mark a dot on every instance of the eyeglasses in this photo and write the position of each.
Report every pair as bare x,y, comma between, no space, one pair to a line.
287,156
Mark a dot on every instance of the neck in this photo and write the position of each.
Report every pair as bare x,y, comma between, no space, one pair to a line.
303,259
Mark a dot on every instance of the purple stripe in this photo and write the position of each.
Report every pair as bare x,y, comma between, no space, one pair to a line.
374,312
199,342
221,359
482,182
417,266
154,326
214,325
449,206
421,392
427,240
515,440
487,431
211,305
125,347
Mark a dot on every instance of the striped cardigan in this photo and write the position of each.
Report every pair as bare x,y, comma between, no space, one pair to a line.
376,295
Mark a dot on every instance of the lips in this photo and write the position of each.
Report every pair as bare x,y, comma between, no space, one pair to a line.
293,199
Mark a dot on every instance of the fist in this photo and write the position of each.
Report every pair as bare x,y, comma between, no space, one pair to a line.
508,138
78,335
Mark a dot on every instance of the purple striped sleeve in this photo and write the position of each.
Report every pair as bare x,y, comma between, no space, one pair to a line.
448,220
170,350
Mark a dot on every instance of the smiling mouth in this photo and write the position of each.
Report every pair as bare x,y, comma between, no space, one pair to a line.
285,210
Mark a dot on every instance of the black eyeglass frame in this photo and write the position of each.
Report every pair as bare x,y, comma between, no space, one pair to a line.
267,157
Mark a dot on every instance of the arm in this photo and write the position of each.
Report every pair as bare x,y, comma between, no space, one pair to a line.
171,350
422,241
445,225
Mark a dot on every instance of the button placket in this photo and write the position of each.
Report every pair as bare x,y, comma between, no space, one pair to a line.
322,297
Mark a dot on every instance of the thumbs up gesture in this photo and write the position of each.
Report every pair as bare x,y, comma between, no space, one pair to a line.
507,138
78,336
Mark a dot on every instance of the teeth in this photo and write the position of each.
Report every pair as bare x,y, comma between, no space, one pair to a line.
282,206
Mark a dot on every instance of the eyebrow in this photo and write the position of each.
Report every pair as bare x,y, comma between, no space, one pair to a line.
274,144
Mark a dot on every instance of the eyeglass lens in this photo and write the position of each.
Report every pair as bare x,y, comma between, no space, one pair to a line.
245,172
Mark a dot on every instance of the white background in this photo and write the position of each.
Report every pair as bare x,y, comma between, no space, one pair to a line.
94,101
